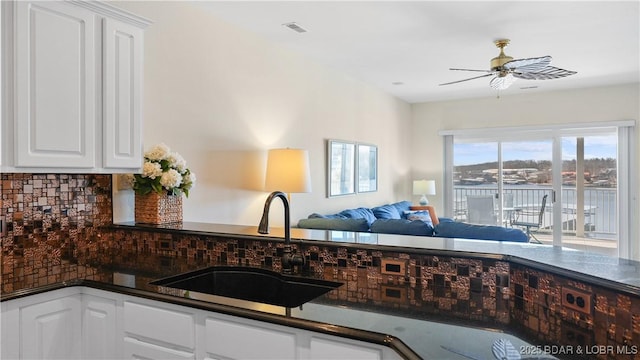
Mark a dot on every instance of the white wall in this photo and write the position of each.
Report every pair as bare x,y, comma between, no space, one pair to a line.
560,107
222,97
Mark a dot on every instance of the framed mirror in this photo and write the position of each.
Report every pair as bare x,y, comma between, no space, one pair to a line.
367,168
341,168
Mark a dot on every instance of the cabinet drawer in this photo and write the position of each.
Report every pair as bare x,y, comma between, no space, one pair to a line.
257,340
134,349
159,325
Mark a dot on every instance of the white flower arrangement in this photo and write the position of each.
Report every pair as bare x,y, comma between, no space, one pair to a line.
163,171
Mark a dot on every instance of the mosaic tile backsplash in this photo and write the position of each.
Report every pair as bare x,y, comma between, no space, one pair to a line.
471,290
47,219
55,228
549,306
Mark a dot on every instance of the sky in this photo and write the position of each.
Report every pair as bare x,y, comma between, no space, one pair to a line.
478,153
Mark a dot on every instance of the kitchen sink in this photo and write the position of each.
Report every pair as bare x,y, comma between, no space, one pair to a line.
253,284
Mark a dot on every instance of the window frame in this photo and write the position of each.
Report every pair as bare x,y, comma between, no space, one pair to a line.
627,160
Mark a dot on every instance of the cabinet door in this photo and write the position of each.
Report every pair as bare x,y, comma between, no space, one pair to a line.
122,122
55,115
160,323
51,329
258,340
9,330
98,328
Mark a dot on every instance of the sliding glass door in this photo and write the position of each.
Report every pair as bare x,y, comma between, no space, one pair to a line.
590,192
561,186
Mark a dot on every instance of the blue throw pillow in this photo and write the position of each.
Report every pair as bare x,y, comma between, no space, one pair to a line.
334,224
480,232
402,227
422,215
386,212
402,206
359,213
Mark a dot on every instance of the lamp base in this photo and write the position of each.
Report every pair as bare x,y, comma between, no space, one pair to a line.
424,201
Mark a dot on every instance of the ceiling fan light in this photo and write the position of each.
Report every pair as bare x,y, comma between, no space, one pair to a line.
502,82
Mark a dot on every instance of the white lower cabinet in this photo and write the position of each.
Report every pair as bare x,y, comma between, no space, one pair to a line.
235,338
9,326
156,330
231,337
99,327
86,323
42,326
51,330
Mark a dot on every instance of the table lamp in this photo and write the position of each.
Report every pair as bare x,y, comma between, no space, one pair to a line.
424,188
288,171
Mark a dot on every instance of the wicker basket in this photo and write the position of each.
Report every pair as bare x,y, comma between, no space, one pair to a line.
155,208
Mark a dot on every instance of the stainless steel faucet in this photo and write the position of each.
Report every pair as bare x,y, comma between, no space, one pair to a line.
289,260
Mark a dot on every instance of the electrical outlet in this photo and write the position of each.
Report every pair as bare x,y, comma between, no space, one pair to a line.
394,294
578,300
394,267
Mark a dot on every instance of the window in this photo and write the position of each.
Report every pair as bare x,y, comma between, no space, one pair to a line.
579,169
352,168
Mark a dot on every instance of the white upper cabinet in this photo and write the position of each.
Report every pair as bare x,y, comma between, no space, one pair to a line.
122,125
75,69
56,74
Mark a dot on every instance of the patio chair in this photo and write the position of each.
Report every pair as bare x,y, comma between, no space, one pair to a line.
507,209
533,225
481,210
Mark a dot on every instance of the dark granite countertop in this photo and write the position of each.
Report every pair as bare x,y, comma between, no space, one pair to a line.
611,272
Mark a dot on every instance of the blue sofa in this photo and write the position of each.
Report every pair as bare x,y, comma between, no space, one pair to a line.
398,218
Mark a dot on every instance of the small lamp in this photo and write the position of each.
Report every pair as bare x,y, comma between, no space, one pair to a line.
424,188
288,171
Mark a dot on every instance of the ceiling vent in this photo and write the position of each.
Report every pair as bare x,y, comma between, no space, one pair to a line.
295,27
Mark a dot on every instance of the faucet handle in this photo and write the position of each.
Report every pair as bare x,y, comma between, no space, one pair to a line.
289,260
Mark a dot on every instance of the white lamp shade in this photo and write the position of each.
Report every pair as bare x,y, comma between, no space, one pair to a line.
424,187
288,171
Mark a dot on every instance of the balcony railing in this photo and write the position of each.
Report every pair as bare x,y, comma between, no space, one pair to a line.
600,207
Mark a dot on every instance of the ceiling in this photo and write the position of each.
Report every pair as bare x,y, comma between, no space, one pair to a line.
406,48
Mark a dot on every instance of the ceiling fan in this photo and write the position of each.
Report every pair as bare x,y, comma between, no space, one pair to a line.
506,70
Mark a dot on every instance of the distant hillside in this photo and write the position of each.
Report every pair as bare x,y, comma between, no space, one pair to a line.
593,166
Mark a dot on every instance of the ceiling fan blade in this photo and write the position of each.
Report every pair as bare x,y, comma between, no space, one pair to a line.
502,82
476,77
485,71
529,65
546,73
